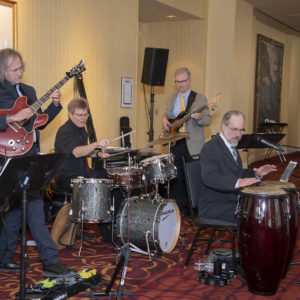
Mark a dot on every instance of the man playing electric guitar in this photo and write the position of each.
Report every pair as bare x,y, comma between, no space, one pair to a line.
11,71
189,101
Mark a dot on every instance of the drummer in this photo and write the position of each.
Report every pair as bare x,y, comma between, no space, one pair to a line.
72,140
222,173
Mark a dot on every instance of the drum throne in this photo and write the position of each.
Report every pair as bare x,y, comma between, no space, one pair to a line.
192,171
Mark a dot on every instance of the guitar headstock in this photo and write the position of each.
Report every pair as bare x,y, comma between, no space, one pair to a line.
78,69
212,104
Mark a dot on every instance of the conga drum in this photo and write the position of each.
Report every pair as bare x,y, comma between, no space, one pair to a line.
263,236
292,193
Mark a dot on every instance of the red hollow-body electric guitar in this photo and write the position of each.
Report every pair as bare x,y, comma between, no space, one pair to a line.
18,137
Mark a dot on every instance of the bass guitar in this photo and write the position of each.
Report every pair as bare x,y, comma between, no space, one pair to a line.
18,137
177,123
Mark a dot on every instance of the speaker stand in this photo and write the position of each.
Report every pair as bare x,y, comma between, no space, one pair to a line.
151,131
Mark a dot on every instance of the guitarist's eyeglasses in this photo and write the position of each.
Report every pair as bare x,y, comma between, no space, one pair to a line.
81,115
181,81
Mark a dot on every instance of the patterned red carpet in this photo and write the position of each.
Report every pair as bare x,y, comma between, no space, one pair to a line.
165,278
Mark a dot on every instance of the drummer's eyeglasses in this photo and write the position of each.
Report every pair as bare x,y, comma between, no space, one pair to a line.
236,130
81,115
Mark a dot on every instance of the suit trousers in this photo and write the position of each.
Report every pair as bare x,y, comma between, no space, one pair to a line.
178,188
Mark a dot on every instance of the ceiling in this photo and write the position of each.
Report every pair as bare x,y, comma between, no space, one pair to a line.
282,14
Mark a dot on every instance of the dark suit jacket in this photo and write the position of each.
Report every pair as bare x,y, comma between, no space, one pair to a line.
8,96
219,174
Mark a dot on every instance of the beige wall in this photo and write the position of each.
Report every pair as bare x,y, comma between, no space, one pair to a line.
54,35
186,41
219,49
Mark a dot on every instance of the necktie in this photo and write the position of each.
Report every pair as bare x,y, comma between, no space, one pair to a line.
182,108
234,153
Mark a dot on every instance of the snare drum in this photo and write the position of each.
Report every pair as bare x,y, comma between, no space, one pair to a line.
158,168
159,219
263,237
91,200
292,193
128,177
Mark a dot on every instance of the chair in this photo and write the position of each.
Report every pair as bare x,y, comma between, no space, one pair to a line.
192,171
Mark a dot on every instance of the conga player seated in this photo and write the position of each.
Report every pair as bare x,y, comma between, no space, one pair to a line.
222,173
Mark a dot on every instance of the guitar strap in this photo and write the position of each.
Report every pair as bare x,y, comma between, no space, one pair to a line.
191,99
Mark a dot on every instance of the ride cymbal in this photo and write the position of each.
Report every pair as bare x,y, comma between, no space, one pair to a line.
169,139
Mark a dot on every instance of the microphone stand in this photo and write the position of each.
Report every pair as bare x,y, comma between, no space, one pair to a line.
287,146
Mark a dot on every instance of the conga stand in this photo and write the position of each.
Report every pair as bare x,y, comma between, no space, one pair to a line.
16,178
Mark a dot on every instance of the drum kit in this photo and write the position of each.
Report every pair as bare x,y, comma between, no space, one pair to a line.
145,222
268,225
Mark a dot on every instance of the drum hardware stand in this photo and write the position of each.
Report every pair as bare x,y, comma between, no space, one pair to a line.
81,233
181,240
148,247
123,262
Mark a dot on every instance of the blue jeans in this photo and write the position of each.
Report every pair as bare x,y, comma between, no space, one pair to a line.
36,221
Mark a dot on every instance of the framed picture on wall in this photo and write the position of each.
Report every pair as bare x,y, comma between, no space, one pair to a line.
8,24
268,77
127,91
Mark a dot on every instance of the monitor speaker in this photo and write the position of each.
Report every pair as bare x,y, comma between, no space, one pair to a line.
155,66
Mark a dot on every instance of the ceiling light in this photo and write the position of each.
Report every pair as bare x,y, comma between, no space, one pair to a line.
171,16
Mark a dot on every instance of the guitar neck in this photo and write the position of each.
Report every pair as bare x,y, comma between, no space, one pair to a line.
38,104
181,121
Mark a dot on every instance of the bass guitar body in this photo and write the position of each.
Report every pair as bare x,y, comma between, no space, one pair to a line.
18,137
175,129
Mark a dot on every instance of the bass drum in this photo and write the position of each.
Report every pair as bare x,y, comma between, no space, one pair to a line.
263,237
91,200
158,219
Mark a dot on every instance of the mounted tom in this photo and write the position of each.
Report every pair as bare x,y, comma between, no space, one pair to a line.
18,137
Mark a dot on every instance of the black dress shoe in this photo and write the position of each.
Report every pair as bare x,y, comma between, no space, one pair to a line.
12,267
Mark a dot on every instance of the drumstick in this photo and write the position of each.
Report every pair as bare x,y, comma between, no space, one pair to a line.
119,137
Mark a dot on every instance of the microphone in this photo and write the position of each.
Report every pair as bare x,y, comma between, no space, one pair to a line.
268,143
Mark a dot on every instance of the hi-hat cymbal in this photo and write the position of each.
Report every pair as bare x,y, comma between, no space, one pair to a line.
169,139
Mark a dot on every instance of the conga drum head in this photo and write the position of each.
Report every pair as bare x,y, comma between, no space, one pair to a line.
262,191
278,184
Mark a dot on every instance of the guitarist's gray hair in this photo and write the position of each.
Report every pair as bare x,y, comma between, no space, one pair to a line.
5,54
183,70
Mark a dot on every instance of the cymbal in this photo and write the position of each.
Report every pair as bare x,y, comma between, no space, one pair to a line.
169,139
120,152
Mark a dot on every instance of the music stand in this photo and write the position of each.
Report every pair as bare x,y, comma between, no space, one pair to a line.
250,141
22,174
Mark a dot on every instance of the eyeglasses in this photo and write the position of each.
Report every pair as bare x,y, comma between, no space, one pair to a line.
81,115
236,130
181,81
